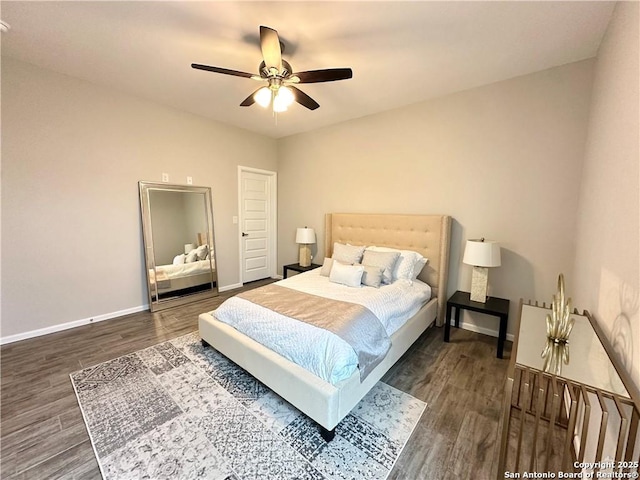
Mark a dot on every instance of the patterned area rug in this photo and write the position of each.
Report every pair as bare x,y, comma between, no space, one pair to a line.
180,411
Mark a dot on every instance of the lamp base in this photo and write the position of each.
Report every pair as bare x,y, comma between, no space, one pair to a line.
305,255
479,280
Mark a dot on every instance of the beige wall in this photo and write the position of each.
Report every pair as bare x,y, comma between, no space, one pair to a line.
607,270
72,154
503,159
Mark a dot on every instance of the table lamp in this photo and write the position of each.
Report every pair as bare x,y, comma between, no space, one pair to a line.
305,237
482,255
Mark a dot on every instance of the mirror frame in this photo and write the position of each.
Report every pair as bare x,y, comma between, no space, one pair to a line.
147,235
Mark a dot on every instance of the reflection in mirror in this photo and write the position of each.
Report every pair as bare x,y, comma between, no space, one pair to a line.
177,227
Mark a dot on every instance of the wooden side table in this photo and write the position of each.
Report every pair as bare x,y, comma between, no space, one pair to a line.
498,307
297,268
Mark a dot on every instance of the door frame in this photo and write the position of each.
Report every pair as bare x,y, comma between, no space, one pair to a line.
273,219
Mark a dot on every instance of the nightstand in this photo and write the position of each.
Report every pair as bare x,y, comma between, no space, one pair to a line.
498,307
297,268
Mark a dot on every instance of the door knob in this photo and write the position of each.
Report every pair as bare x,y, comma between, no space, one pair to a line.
245,234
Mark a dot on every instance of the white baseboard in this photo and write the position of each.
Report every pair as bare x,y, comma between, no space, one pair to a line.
240,285
485,331
229,287
66,326
86,321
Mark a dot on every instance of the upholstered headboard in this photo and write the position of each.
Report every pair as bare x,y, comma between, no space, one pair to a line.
425,234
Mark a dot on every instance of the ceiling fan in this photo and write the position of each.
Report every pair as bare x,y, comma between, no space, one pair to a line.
280,91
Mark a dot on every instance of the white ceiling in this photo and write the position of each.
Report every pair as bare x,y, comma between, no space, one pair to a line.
400,52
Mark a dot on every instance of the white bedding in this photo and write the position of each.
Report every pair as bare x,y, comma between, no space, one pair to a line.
317,350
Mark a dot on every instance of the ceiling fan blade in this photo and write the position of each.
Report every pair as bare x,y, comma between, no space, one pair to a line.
327,75
303,99
270,46
225,71
250,100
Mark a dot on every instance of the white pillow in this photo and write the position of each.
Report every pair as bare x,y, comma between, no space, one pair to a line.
349,275
384,260
326,267
348,254
179,259
405,264
192,256
202,251
417,268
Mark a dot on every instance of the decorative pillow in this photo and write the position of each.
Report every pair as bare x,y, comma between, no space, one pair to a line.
372,276
349,275
404,265
385,260
348,254
326,267
202,251
179,259
192,256
417,268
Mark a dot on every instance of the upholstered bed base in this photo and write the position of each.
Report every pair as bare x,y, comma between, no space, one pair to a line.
323,402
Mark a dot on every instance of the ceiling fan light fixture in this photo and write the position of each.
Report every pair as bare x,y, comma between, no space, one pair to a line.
278,73
285,96
279,107
263,97
280,98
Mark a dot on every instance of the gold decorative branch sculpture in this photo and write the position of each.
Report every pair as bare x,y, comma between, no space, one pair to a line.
559,325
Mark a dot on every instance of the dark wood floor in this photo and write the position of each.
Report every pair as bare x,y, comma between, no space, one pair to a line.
43,435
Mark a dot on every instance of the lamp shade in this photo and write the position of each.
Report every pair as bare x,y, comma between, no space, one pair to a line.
481,253
305,235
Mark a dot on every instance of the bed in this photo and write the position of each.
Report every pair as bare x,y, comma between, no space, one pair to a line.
190,272
182,278
324,402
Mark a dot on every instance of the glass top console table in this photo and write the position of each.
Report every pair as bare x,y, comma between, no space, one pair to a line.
583,421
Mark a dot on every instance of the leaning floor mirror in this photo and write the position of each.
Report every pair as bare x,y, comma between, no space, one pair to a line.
179,248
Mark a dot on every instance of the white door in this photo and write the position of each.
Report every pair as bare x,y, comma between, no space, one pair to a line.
257,224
